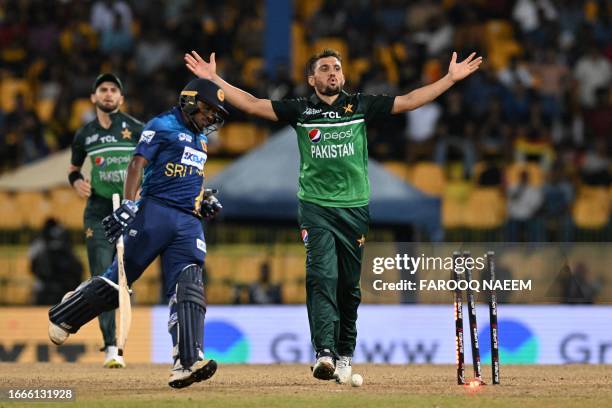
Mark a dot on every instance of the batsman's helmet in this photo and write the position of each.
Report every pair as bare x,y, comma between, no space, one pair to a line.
205,91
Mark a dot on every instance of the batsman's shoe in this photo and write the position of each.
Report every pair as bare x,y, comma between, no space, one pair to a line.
181,377
113,359
324,367
57,335
343,370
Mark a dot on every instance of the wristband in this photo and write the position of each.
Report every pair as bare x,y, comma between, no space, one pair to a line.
131,205
74,176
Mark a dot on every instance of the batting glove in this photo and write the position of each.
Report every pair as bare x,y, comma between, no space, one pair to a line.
116,223
210,207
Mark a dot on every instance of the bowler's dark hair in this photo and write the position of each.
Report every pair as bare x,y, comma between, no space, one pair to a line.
312,62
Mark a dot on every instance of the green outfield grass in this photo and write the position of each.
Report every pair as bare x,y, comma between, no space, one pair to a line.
291,386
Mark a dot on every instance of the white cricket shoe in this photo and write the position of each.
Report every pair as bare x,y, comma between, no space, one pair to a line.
57,335
181,377
113,359
324,367
343,370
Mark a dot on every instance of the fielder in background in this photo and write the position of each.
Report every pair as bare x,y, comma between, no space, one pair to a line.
172,151
109,141
333,189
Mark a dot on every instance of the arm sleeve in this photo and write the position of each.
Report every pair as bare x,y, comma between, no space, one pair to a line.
151,139
78,150
377,107
287,110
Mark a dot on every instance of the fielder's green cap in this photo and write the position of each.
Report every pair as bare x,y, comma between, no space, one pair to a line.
107,77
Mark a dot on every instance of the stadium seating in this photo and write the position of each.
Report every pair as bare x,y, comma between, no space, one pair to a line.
454,203
237,138
219,293
250,71
429,178
399,169
294,293
34,208
485,209
67,207
300,52
592,208
9,89
335,43
357,68
16,281
306,8
44,109
80,108
514,170
385,54
214,167
10,213
501,46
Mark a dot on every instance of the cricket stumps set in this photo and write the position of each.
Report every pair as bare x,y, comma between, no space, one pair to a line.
473,324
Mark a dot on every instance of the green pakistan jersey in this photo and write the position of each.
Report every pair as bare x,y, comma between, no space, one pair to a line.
110,150
332,141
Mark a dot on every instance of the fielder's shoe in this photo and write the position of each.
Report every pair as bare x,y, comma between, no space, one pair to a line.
57,335
181,377
113,359
343,369
324,367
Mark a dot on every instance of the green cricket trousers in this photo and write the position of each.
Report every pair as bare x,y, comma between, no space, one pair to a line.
334,238
100,254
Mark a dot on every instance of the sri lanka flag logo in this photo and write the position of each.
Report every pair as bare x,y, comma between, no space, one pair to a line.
314,135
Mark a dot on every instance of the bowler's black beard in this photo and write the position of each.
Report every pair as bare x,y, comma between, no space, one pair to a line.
106,109
329,91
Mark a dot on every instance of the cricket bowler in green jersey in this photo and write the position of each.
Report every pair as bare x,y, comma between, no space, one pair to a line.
109,141
333,187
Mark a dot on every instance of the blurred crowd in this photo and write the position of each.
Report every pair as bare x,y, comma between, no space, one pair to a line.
543,95
50,52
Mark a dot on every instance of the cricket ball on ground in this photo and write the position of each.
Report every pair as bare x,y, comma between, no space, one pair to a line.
356,380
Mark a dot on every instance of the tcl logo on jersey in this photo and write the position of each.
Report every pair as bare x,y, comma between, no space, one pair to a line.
316,135
331,115
194,158
108,139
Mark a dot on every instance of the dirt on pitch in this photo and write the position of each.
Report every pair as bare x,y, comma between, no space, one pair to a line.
292,386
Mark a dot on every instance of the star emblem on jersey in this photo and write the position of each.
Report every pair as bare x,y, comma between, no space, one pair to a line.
348,108
88,233
126,133
361,241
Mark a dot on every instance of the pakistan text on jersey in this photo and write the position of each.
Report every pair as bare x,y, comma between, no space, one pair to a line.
332,151
181,170
115,176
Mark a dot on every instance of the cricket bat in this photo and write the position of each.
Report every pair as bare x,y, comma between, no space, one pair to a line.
125,308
